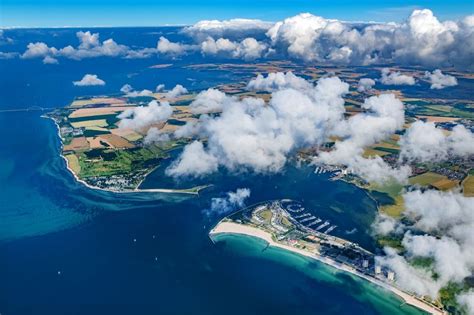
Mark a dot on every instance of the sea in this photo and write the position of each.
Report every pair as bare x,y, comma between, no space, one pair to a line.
69,249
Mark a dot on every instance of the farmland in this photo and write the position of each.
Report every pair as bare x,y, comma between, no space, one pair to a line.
106,156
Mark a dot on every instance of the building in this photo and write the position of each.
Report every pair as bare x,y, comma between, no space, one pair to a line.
378,270
391,275
365,263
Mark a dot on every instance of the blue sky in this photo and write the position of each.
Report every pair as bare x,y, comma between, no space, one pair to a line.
50,13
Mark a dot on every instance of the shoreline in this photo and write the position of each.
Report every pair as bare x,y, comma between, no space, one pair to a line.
235,228
128,191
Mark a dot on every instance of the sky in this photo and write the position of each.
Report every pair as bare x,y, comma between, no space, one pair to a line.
54,13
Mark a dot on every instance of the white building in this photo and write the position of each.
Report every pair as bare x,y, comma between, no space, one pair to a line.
391,275
378,270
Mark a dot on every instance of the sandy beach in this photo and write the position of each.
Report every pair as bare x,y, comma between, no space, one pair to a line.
235,228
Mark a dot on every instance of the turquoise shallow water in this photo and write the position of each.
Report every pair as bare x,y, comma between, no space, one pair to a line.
324,280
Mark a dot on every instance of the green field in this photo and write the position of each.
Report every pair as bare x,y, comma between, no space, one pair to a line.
113,162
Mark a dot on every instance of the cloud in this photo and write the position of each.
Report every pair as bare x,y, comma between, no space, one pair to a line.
248,135
89,47
209,101
396,78
38,49
467,300
450,262
234,28
365,85
438,80
89,80
178,90
194,161
251,135
165,46
8,55
87,39
154,135
438,211
159,88
232,201
128,90
421,40
385,225
277,81
424,142
447,218
384,116
247,49
50,60
410,278
140,117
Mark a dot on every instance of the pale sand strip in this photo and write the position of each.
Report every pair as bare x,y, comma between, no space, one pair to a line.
235,228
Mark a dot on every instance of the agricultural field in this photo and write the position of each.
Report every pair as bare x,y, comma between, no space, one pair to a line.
73,163
426,179
468,186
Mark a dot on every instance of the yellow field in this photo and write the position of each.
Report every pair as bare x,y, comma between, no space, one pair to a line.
445,184
387,145
128,134
438,119
94,143
97,100
116,141
87,112
396,209
73,163
169,128
95,128
468,186
90,123
426,179
372,152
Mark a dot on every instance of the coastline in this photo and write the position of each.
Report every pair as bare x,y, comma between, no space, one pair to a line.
235,228
136,190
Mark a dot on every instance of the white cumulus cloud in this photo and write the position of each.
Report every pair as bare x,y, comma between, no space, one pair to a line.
140,117
424,142
438,80
89,80
396,78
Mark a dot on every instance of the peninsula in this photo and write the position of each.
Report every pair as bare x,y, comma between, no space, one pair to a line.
285,224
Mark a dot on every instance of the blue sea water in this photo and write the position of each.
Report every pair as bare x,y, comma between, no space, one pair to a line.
68,249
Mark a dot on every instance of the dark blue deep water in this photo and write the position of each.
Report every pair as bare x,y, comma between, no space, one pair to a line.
67,249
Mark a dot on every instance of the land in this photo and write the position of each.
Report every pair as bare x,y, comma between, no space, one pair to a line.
102,155
281,224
